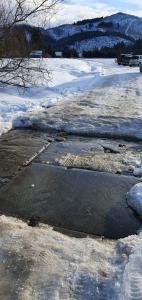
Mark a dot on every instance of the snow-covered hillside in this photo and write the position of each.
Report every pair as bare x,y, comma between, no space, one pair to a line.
127,24
96,33
123,23
98,42
87,35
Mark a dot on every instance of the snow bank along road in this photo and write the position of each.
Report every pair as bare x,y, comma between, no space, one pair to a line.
104,88
85,177
109,105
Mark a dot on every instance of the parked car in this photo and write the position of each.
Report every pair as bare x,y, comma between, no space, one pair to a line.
124,59
141,67
135,60
120,59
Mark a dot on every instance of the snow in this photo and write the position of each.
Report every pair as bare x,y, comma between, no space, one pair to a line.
74,268
64,73
138,169
132,277
127,24
42,263
69,80
66,30
134,198
98,42
100,97
122,23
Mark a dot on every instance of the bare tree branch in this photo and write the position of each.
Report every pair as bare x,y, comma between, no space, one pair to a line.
16,67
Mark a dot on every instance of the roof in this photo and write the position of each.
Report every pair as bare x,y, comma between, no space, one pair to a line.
37,52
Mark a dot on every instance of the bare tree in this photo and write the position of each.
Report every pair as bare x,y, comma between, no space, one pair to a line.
16,67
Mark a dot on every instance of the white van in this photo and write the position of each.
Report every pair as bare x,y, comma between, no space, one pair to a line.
135,60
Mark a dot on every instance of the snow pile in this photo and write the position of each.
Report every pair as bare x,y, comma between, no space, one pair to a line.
138,170
73,79
40,263
65,79
132,277
11,106
134,198
101,103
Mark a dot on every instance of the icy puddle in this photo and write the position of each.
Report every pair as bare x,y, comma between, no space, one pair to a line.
70,182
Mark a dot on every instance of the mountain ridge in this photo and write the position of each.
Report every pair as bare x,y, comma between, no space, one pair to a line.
126,29
119,30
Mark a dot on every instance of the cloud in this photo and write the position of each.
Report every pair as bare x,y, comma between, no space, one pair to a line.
70,12
73,10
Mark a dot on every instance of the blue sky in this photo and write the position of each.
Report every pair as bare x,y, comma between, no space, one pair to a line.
73,10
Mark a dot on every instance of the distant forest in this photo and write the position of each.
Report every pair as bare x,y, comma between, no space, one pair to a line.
115,51
106,52
89,21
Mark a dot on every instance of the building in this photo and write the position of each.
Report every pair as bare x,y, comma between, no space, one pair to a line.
58,54
80,54
36,54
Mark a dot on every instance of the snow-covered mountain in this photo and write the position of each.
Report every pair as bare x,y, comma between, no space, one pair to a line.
96,33
98,42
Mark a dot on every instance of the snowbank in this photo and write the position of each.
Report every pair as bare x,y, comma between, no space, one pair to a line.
69,79
41,263
132,278
60,86
138,169
134,198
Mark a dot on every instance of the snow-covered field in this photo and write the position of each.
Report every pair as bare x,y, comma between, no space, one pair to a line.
69,79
